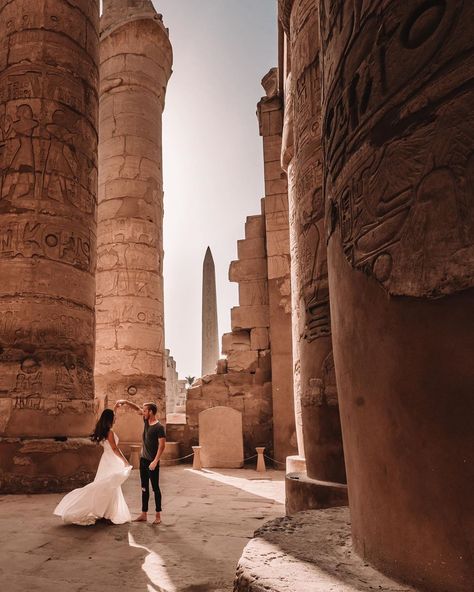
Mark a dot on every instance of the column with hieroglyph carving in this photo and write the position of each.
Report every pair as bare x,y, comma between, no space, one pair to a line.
135,65
316,386
398,144
48,187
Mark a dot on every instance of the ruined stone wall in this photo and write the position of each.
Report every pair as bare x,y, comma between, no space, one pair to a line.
135,66
243,380
48,189
398,133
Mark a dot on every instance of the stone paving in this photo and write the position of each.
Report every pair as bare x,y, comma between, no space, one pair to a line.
208,518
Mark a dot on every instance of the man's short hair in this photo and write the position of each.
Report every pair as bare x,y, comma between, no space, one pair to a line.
152,407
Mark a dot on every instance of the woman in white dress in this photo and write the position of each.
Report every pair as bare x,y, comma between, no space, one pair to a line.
103,498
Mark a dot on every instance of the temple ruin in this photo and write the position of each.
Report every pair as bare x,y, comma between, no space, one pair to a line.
349,355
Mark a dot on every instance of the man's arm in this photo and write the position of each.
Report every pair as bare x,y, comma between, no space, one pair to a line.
122,402
161,447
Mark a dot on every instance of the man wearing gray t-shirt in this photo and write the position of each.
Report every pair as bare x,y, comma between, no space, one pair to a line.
153,445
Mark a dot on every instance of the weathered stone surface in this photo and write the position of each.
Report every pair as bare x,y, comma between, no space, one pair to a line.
220,436
48,192
43,465
221,366
248,269
248,317
235,341
255,292
251,248
303,493
259,338
255,227
210,332
400,222
309,552
314,378
277,365
242,361
135,66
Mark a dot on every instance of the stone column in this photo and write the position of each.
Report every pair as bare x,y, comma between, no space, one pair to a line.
135,63
210,339
270,115
318,394
48,186
398,131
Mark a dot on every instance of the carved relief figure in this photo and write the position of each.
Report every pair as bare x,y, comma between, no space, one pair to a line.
19,176
61,166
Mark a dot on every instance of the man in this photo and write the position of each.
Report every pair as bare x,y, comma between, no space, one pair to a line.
153,445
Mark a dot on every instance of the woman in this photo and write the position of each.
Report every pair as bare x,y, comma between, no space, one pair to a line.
103,498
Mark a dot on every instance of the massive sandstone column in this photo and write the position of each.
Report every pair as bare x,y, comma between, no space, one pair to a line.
312,340
275,207
398,131
210,339
135,65
48,186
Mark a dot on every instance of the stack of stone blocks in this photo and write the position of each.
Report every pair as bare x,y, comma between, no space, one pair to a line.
243,380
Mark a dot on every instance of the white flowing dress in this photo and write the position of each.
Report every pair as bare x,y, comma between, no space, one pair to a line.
103,498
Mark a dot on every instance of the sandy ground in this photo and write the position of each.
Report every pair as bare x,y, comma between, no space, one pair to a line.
208,518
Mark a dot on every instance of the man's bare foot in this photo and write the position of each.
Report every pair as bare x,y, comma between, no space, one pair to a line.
157,518
141,518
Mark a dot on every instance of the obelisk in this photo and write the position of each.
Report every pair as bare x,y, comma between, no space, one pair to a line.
48,193
210,340
135,65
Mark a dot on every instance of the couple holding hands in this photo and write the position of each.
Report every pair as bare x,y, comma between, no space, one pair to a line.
103,498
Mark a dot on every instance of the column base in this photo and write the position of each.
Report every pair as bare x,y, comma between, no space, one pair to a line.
303,493
46,465
309,552
295,464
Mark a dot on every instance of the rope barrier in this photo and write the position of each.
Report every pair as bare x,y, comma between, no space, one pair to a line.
192,454
273,460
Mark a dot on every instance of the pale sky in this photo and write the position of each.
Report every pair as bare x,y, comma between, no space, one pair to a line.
213,165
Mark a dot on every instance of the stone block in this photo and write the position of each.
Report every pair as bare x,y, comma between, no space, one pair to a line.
276,186
271,148
255,292
194,392
235,341
278,266
221,438
273,170
238,379
251,248
259,338
271,121
276,203
278,242
248,317
248,269
222,366
243,361
254,227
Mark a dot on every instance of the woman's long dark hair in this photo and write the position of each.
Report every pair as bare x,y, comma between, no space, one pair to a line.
102,427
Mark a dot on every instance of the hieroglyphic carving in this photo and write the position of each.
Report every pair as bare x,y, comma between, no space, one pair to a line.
129,295
398,141
48,240
48,189
309,205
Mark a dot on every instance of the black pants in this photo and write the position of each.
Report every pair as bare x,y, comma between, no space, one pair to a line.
145,477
